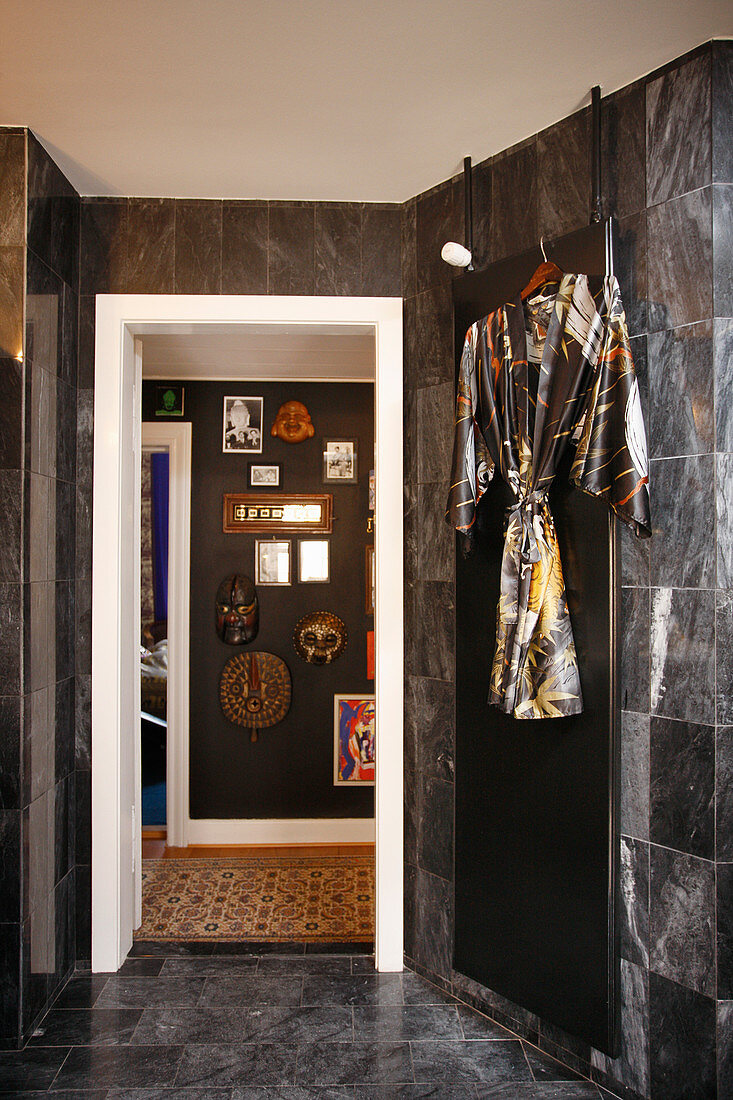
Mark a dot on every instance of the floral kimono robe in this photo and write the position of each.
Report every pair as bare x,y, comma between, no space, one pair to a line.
535,377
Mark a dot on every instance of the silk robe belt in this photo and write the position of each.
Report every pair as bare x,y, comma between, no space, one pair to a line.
528,509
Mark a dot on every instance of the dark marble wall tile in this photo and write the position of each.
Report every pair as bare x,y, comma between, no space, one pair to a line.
634,558
64,630
724,793
150,246
38,744
12,188
682,1041
291,263
634,901
435,432
338,248
11,741
723,361
410,769
61,551
482,189
724,513
563,172
408,248
381,273
634,778
434,630
83,608
435,539
635,649
39,506
83,722
682,654
631,1065
85,364
623,151
11,413
630,265
60,854
678,113
103,254
11,506
83,816
684,514
514,225
11,301
429,327
722,249
244,248
83,909
69,336
725,1048
433,922
198,247
435,827
725,931
722,112
9,983
682,413
11,619
39,638
724,657
65,434
683,786
10,868
682,919
434,717
62,731
439,219
680,261
53,214
409,886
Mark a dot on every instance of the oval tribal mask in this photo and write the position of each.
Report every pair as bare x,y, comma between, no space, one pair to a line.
237,610
320,637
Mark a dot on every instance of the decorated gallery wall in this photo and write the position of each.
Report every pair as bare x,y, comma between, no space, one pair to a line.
265,671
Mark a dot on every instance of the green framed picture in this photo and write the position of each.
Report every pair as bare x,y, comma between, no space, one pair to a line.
169,400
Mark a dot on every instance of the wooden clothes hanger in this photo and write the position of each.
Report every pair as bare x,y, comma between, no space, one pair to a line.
547,272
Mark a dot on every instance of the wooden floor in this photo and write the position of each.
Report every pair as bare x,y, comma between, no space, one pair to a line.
156,848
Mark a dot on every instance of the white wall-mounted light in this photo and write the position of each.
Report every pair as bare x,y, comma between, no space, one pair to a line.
455,254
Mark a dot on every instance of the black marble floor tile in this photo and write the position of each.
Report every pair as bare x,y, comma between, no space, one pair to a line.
163,949
237,1064
83,1027
166,1094
352,989
678,112
209,967
362,964
476,1026
725,930
566,1090
246,989
681,1042
244,248
132,992
381,1023
419,991
472,1060
307,964
81,991
134,1067
683,787
141,968
259,947
338,948
682,919
294,1092
351,1063
23,1070
545,1068
182,1026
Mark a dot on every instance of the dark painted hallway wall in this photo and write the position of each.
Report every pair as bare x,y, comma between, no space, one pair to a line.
668,171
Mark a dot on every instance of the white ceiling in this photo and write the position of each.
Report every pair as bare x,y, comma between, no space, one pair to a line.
368,100
264,353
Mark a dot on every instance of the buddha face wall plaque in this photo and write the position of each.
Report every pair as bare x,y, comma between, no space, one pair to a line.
237,610
319,638
293,423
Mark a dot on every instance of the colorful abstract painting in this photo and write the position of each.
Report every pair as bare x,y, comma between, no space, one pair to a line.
354,739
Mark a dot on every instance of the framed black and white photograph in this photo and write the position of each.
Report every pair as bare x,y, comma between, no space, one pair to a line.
264,476
272,561
313,561
243,425
339,460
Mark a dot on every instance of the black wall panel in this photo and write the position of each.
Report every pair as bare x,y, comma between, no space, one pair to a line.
289,771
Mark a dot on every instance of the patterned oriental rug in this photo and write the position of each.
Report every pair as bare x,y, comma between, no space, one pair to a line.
269,898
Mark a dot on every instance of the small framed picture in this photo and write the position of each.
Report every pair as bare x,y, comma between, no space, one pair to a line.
264,477
242,425
272,561
169,400
313,563
354,740
339,460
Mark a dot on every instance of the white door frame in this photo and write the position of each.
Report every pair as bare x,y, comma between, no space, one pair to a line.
116,582
176,440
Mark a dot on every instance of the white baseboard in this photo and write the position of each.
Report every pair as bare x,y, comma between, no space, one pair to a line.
342,830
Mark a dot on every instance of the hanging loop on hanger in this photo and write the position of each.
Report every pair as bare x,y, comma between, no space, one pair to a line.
542,246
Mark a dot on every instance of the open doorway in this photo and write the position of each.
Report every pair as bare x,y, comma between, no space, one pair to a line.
121,322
